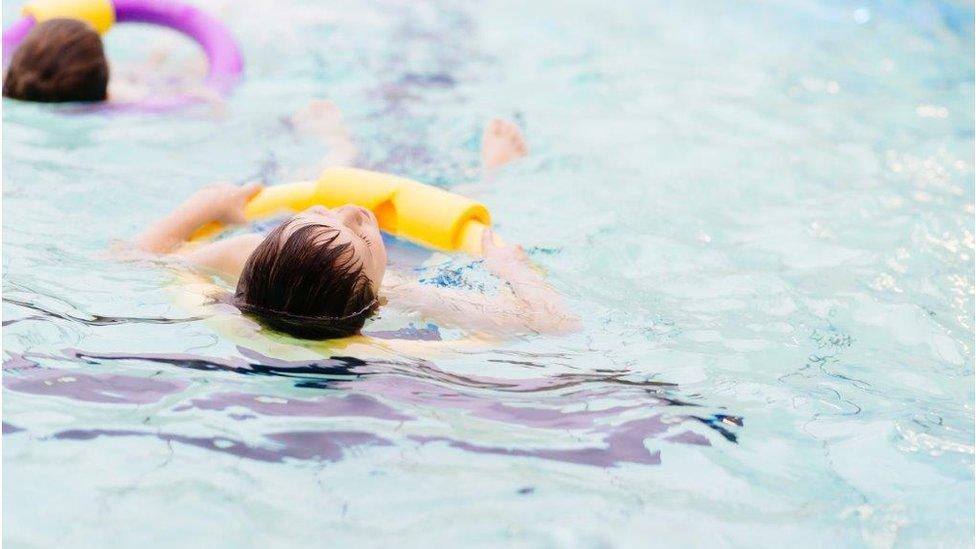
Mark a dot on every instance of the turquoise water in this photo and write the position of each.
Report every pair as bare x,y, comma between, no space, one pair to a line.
762,211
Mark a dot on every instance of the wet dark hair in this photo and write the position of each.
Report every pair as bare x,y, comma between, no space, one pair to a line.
59,60
305,285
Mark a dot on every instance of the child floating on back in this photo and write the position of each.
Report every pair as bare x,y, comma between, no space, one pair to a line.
322,273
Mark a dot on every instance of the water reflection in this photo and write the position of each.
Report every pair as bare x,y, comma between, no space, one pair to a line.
609,415
306,445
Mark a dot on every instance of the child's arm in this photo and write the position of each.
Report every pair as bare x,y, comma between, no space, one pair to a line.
532,305
222,203
541,305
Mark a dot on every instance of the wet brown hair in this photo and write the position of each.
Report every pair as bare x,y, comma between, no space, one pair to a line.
306,285
59,60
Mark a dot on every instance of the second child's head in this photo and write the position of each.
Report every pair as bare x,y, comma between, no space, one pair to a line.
316,276
60,60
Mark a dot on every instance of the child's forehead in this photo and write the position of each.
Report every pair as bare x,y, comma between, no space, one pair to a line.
314,226
315,232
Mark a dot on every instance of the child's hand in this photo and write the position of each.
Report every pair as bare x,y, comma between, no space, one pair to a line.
221,203
225,202
540,308
502,260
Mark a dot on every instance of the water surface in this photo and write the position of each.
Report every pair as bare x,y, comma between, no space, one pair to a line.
763,212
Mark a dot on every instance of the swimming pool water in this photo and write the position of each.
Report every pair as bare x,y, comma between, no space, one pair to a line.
763,211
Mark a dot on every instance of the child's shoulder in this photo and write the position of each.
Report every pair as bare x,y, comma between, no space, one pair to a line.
226,256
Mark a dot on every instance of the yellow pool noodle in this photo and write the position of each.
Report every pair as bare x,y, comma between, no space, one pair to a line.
404,207
100,14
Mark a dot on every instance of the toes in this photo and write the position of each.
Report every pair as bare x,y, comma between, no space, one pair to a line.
322,106
515,138
502,143
496,126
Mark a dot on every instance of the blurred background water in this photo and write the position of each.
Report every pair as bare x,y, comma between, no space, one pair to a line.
763,211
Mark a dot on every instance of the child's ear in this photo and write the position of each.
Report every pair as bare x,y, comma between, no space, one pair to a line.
382,300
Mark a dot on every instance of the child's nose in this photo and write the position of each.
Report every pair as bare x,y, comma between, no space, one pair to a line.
351,216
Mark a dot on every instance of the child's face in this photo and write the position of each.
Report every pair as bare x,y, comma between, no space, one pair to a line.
358,227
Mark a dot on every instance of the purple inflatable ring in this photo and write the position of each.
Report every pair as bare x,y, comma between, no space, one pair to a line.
223,56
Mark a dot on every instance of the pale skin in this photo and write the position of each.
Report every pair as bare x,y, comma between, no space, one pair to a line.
527,304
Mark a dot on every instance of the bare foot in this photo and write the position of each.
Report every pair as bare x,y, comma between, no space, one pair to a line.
322,119
501,143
